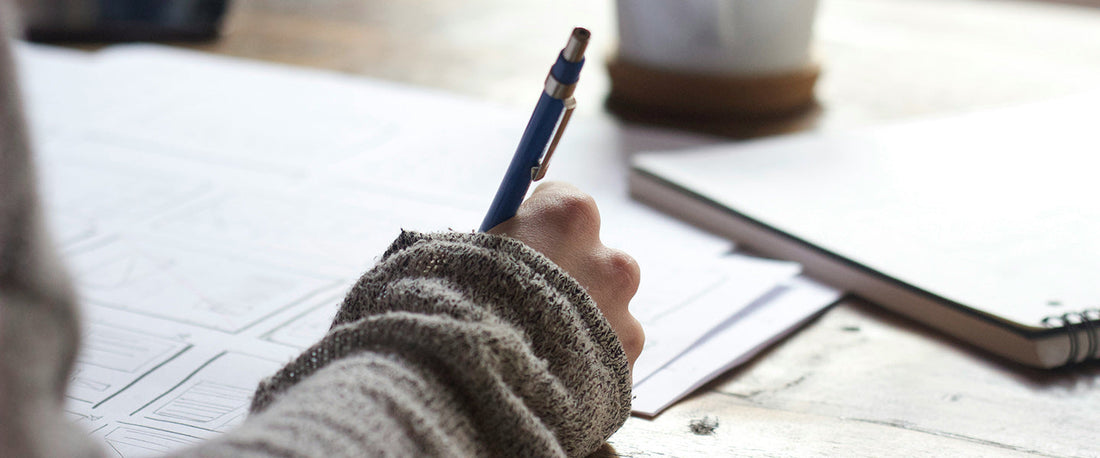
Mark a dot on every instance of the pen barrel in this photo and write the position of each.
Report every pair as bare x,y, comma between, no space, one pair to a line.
517,179
556,96
566,72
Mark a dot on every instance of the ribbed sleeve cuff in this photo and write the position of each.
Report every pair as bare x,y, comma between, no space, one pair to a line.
513,333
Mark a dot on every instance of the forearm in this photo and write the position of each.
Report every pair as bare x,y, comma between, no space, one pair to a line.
454,344
367,404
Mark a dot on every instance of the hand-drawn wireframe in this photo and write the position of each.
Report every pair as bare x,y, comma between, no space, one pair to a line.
347,234
89,422
68,230
112,358
106,195
412,165
226,116
214,397
237,121
129,440
206,402
306,329
215,291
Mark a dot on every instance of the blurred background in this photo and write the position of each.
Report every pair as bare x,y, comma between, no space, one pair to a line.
880,59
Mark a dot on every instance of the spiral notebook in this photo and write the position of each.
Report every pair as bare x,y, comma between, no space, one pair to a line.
985,226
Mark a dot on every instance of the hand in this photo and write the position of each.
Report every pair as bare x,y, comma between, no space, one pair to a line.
561,222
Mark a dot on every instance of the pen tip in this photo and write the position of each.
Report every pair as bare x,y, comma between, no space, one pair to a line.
581,33
578,41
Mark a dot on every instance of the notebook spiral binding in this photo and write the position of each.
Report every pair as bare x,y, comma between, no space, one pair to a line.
1085,322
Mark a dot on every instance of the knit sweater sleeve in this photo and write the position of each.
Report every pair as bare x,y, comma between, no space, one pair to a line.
454,344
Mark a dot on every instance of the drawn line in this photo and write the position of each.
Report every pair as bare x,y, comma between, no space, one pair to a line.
158,366
232,330
184,424
185,379
159,429
94,244
309,296
269,335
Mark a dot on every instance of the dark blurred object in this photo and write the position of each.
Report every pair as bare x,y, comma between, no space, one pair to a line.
122,20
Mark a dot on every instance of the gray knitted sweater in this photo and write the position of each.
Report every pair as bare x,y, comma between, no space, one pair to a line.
454,344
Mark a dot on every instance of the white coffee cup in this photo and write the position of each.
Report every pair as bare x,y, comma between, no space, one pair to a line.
719,37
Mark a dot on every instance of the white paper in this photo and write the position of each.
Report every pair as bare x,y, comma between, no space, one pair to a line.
213,212
684,303
767,320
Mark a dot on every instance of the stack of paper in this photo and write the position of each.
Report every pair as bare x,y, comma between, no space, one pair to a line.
213,212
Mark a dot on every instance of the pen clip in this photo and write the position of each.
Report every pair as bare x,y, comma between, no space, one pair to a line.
539,171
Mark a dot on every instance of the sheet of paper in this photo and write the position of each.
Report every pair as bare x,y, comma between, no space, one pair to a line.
56,87
688,299
213,212
764,322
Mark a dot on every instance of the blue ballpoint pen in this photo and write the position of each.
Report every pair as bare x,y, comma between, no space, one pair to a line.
549,119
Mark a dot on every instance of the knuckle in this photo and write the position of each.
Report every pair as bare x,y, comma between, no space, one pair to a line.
622,272
575,213
633,339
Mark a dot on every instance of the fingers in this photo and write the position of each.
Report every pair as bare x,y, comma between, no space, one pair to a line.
563,223
632,337
610,276
557,220
618,277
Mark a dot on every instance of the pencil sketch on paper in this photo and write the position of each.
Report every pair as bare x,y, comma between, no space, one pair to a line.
306,329
213,397
345,233
88,421
214,291
111,358
128,440
231,121
98,196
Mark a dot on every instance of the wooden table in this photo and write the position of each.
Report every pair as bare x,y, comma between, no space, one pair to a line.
858,381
